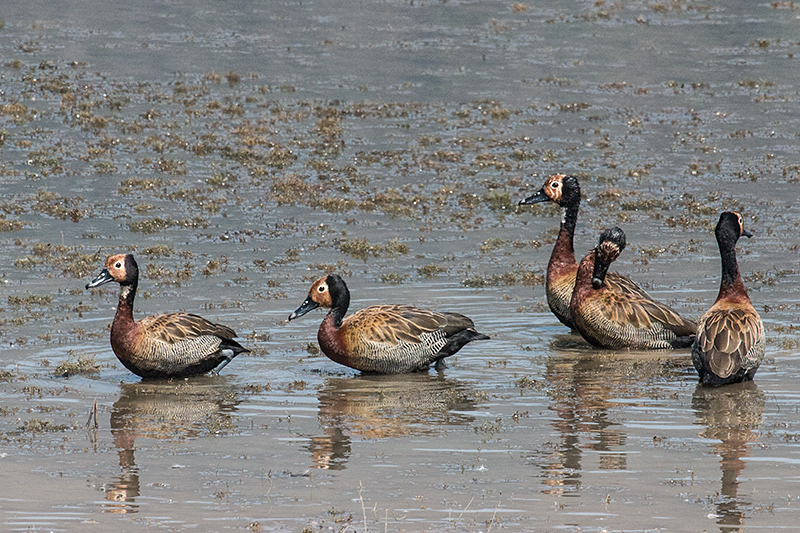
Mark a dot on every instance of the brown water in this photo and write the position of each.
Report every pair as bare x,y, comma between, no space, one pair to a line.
241,150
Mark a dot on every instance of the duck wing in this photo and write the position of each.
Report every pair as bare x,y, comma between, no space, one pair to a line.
394,324
728,338
635,310
624,285
179,344
174,328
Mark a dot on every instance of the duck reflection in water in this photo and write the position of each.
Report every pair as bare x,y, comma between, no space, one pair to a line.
732,416
584,386
164,412
373,406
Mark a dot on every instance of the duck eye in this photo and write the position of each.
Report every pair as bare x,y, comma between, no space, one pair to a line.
554,185
118,265
321,288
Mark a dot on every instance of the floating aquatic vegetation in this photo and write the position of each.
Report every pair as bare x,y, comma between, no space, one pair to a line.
10,225
31,300
69,259
393,278
361,249
157,224
431,270
73,366
57,206
17,111
38,425
503,279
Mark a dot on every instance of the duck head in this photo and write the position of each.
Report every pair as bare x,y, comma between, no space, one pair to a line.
612,242
559,188
328,292
730,227
121,268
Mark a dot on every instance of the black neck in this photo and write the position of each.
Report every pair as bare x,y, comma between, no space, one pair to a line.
570,218
340,309
730,267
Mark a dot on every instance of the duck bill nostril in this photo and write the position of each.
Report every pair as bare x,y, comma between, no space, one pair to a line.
102,278
307,305
535,198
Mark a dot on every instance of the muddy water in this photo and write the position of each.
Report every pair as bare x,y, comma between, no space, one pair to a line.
241,152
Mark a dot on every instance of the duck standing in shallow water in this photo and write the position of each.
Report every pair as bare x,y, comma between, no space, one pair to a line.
174,345
562,268
384,339
612,318
730,338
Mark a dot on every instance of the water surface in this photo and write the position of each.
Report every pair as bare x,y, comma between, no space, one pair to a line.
242,151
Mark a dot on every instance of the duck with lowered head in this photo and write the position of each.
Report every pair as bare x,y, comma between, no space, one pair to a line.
611,318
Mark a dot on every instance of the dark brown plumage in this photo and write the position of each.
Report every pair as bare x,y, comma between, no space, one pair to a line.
611,318
385,339
162,346
730,341
561,270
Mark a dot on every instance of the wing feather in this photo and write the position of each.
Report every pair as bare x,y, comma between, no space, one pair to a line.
728,339
623,284
393,324
173,328
642,312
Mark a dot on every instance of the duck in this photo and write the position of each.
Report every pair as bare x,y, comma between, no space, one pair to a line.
565,190
173,345
730,340
611,318
384,339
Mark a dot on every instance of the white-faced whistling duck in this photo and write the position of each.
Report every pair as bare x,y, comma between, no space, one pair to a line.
730,338
561,270
163,346
612,318
385,339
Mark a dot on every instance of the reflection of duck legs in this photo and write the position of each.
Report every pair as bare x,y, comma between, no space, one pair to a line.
379,407
160,411
583,387
582,408
332,450
731,415
125,487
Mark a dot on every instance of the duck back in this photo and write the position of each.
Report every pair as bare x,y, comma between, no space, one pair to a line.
392,339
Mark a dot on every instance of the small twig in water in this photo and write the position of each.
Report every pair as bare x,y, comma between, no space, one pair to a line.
363,510
465,508
494,515
91,422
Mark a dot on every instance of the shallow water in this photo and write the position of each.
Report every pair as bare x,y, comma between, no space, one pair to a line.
241,152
